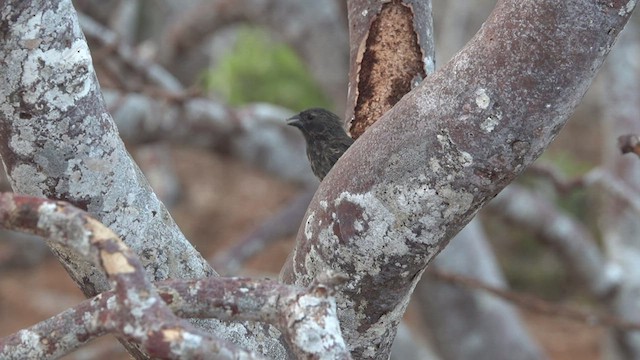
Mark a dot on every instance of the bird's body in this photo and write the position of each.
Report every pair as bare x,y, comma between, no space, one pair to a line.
325,137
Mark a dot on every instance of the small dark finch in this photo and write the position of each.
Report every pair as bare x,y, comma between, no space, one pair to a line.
326,139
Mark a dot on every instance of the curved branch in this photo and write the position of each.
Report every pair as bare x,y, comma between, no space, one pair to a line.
57,140
420,173
307,317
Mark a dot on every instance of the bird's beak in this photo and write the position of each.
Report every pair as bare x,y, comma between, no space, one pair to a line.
294,121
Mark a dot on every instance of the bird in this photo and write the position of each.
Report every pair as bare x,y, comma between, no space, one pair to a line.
325,137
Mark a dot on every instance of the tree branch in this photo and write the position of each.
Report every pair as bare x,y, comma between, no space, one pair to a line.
58,141
135,311
420,173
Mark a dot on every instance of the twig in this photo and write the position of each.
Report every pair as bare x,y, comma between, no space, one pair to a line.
629,143
136,311
596,176
538,305
153,72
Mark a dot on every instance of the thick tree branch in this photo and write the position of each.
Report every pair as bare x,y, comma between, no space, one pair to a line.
307,317
58,141
419,174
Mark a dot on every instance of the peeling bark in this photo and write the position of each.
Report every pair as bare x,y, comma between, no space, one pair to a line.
392,50
421,172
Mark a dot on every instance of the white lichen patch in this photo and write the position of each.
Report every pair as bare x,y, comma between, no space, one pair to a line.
69,74
31,346
430,64
465,159
482,99
189,341
309,333
22,142
627,9
308,226
32,180
393,215
444,140
490,123
434,165
46,210
139,304
379,224
358,226
458,201
313,263
449,161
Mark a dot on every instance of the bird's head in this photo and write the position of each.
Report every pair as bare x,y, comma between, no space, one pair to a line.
315,121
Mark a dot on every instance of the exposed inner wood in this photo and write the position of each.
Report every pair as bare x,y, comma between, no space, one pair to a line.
391,60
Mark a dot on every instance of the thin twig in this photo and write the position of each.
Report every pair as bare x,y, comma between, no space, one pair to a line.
538,305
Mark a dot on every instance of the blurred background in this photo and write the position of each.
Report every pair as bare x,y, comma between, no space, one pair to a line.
200,91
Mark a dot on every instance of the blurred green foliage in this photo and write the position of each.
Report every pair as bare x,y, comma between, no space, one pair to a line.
259,69
566,161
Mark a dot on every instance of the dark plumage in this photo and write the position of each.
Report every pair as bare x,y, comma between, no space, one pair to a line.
326,139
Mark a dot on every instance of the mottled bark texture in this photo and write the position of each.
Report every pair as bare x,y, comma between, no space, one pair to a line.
420,173
58,141
134,311
464,322
392,50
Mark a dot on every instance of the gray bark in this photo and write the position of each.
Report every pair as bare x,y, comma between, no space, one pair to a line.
421,172
58,141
